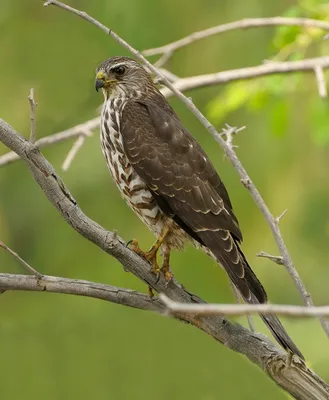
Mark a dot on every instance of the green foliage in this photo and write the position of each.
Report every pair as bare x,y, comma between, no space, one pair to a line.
290,43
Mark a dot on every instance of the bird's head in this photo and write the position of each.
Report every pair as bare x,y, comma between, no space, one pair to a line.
122,76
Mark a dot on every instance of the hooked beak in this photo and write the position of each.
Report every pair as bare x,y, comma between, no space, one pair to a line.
100,83
100,80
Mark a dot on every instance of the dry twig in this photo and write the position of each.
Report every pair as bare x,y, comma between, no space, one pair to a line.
176,308
33,106
168,49
276,259
70,133
28,267
320,79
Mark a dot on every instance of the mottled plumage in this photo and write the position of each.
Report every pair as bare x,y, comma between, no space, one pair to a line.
168,180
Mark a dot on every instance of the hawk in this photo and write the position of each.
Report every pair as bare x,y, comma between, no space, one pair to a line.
168,180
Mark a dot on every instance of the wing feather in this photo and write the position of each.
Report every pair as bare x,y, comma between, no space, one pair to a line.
174,166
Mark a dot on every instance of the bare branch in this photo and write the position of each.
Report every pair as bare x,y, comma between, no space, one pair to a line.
270,68
73,152
320,79
70,133
33,105
241,24
21,261
278,219
276,259
289,372
185,84
176,308
78,287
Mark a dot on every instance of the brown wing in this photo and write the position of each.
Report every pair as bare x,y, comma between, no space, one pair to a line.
186,185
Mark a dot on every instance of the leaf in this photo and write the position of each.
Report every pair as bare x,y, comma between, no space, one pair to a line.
233,97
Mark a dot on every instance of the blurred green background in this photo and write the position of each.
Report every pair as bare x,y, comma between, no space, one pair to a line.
65,347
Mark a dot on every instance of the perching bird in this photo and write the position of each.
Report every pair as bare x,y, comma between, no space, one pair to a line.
168,180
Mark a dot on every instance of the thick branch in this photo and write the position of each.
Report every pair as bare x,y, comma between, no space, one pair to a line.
241,24
292,375
53,284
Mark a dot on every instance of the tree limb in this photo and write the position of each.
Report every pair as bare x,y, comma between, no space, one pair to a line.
290,373
170,48
54,284
185,84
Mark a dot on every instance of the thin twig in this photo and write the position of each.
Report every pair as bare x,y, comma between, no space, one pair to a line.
185,84
241,24
278,219
73,152
239,300
276,259
33,105
70,133
28,267
228,150
176,308
320,79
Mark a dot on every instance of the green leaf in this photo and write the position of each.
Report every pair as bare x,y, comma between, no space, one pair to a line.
233,97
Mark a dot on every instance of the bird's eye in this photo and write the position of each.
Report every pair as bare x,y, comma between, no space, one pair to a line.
119,70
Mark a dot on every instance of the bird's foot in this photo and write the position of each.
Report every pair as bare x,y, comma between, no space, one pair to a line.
165,269
150,255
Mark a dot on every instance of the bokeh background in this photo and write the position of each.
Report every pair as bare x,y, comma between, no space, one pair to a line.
65,347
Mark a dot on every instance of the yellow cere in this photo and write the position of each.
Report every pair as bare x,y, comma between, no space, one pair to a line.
100,75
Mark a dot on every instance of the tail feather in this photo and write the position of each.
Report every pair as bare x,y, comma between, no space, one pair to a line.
252,291
280,334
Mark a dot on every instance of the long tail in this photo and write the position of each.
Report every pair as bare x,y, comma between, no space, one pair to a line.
230,256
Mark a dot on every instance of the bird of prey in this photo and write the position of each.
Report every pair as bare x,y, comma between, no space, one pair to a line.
168,180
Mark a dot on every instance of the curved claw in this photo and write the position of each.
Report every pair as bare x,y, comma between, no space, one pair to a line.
150,256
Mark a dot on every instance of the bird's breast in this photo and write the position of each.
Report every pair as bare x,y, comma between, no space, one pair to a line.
131,186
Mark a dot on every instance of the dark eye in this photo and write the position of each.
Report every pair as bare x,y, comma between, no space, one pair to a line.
119,70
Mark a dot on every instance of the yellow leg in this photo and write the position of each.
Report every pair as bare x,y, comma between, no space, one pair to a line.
151,255
165,265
